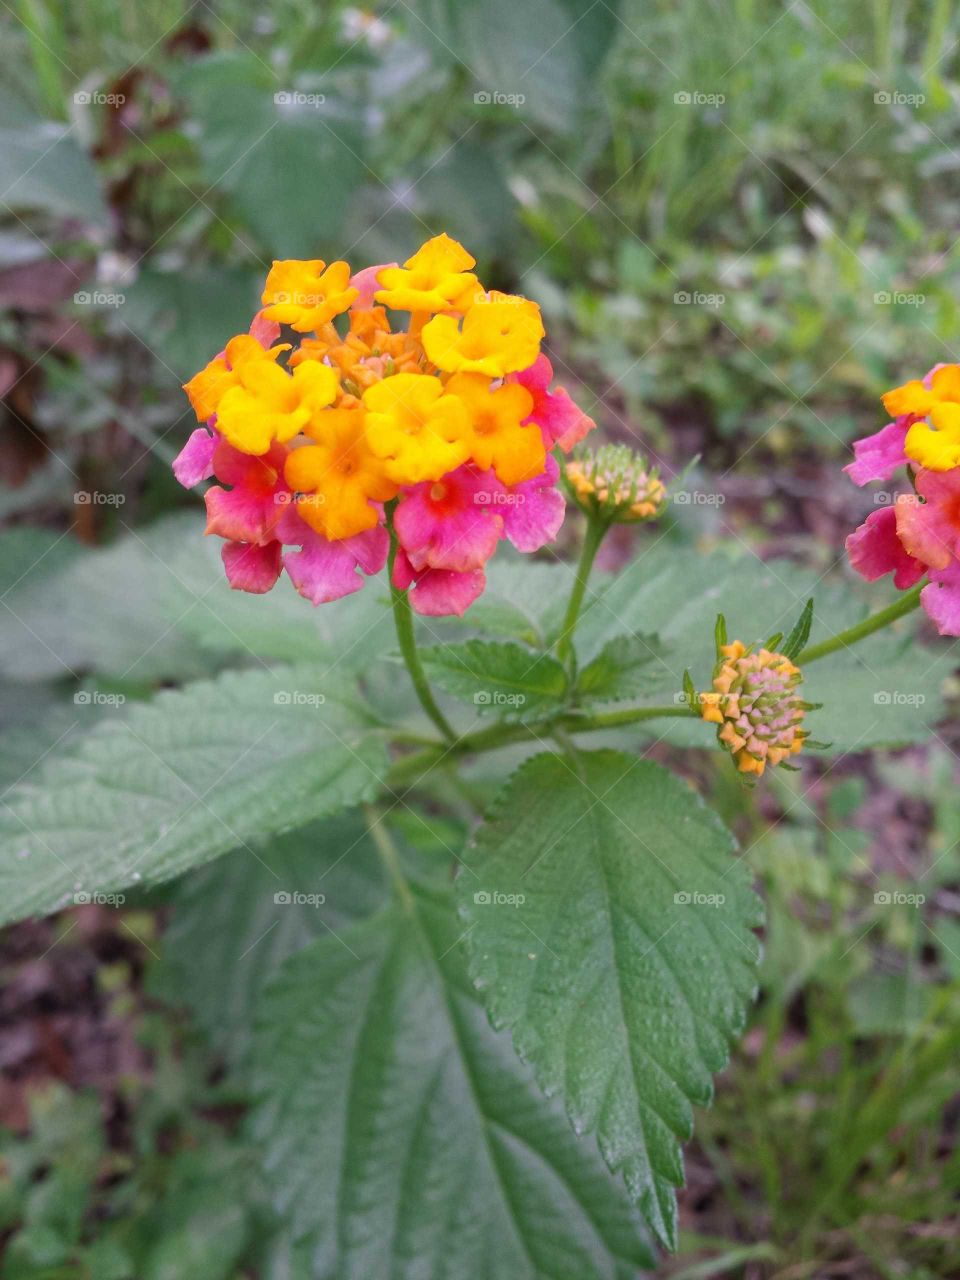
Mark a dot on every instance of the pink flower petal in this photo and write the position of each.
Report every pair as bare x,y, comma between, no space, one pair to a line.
439,592
194,462
251,568
560,420
265,331
930,530
323,571
453,523
366,282
877,457
874,550
242,515
941,599
403,571
534,510
251,509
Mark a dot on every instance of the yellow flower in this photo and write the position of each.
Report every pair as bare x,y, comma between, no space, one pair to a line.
419,431
208,387
755,702
499,439
306,296
497,338
936,444
915,398
270,404
434,279
339,475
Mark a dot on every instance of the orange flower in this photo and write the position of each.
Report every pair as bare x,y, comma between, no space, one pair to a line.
499,438
497,338
307,295
339,475
434,279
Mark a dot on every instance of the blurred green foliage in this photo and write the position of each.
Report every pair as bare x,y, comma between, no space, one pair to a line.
739,216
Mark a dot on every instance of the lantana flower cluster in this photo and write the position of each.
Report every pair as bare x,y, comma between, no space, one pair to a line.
447,421
756,705
918,534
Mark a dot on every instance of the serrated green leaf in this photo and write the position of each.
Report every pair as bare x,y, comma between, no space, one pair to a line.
156,605
235,921
180,780
496,675
624,668
620,952
403,1136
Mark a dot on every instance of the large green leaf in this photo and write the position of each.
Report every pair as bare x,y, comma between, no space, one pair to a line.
180,780
624,668
610,927
235,921
148,606
496,676
403,1136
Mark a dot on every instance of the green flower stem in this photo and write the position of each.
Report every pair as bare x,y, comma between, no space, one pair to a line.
403,621
411,768
596,530
844,639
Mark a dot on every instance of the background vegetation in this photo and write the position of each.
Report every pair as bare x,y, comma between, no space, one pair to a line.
740,221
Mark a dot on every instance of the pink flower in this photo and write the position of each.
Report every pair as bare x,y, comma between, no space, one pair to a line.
534,510
930,530
554,412
194,462
250,509
251,568
452,523
941,599
877,457
323,571
874,550
437,593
